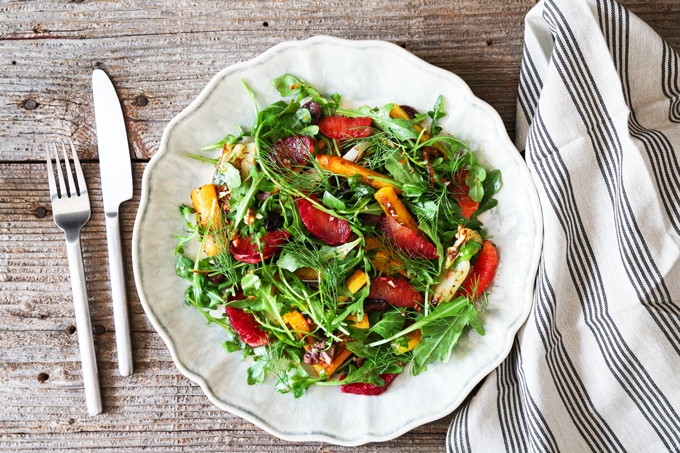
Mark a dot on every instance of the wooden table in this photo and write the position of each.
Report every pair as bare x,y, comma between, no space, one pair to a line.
160,54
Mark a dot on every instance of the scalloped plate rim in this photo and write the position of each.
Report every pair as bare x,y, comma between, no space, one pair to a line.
325,437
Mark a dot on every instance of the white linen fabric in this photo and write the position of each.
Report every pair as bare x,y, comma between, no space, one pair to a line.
596,367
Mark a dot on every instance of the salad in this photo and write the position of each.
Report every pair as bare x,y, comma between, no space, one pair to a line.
337,246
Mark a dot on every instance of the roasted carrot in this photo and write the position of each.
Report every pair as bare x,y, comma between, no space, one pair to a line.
393,207
339,166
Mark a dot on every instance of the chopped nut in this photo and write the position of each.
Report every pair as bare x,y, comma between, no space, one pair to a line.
249,218
319,352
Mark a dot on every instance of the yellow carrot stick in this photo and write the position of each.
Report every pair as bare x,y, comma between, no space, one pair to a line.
393,207
339,166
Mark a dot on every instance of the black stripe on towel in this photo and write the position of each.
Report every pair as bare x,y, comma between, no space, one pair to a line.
458,438
522,423
509,405
660,152
551,170
530,86
624,365
541,438
669,83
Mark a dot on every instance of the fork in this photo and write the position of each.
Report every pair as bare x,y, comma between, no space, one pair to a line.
71,210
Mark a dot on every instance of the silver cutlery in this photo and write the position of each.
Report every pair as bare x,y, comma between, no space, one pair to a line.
71,210
116,181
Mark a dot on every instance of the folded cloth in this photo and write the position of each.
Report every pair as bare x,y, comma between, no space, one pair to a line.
596,367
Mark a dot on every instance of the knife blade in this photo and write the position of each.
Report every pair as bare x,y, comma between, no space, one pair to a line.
116,183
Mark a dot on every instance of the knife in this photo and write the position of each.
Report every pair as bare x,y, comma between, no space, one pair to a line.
116,181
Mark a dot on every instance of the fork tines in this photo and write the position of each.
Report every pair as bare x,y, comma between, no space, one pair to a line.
61,190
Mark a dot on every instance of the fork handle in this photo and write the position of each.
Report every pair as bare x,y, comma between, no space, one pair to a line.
83,324
121,320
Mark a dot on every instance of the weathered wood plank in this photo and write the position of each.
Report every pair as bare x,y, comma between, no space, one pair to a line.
208,441
168,51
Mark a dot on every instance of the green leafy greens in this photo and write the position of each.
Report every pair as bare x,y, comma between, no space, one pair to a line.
317,324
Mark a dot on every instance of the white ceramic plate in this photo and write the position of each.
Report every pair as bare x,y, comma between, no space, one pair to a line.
363,72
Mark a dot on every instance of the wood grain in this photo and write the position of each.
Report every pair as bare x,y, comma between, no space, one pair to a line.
166,51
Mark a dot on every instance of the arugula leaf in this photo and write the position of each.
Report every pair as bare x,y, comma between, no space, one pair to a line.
309,131
271,111
232,345
182,240
336,99
250,283
427,209
184,267
401,128
288,116
475,176
440,337
391,323
287,85
438,344
443,310
228,140
327,252
289,262
436,113
413,190
282,360
377,361
492,184
204,296
257,372
244,203
366,373
355,308
402,171
189,215
298,382
333,202
190,218
272,305
360,189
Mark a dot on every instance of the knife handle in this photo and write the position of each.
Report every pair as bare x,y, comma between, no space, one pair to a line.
118,296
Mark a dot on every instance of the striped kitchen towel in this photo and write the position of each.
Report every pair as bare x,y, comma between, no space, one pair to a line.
596,367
